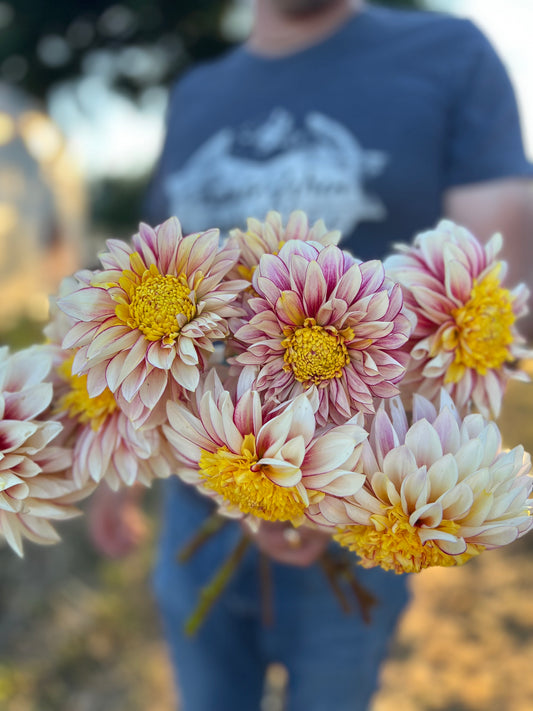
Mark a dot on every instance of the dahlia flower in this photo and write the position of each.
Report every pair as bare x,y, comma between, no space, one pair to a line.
270,467
465,335
437,493
268,237
151,315
323,319
105,444
35,482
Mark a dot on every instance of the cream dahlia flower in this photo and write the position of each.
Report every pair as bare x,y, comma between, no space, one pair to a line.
437,493
35,482
151,316
323,319
271,467
268,237
105,444
465,335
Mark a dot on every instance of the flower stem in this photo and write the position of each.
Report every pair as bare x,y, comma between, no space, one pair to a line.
212,591
337,570
212,525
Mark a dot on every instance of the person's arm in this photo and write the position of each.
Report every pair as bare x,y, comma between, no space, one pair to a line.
505,206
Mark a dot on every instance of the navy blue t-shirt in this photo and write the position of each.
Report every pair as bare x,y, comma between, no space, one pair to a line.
365,130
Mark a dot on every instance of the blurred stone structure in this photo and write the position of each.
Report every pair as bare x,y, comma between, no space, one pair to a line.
42,209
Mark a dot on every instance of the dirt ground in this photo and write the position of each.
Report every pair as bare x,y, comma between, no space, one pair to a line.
78,633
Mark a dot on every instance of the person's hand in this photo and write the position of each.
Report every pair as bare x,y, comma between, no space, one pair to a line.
116,523
293,546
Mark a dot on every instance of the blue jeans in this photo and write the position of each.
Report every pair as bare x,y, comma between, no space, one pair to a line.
332,658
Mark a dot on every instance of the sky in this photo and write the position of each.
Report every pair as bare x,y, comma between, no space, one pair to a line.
107,143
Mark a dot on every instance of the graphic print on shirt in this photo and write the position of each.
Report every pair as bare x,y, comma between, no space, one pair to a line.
317,166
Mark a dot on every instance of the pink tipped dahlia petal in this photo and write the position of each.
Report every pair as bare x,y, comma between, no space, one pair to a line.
270,466
35,481
466,334
152,313
322,319
438,493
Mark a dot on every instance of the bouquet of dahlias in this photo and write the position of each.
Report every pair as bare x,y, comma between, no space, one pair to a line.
285,379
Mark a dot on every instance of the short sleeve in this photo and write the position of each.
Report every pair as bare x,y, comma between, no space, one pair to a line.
484,133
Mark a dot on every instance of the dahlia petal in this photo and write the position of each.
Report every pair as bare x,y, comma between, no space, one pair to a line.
280,472
161,356
328,453
443,475
293,451
290,309
349,284
414,490
13,434
399,463
113,370
273,434
493,538
186,375
436,306
469,458
429,515
29,403
96,380
232,435
479,510
455,547
11,532
373,275
315,289
86,304
135,355
153,388
29,368
384,437
186,426
445,425
187,351
131,385
424,442
126,464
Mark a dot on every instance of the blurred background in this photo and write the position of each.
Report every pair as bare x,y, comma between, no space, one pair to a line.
83,92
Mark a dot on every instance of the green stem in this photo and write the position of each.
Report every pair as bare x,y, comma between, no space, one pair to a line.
212,591
209,528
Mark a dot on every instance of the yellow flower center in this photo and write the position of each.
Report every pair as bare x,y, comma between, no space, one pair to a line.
393,544
158,305
315,353
77,402
482,331
243,483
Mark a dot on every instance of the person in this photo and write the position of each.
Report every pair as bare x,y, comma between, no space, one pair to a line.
379,122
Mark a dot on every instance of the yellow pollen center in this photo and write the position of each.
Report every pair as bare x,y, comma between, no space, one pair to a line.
393,544
315,353
77,402
482,331
159,306
240,481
